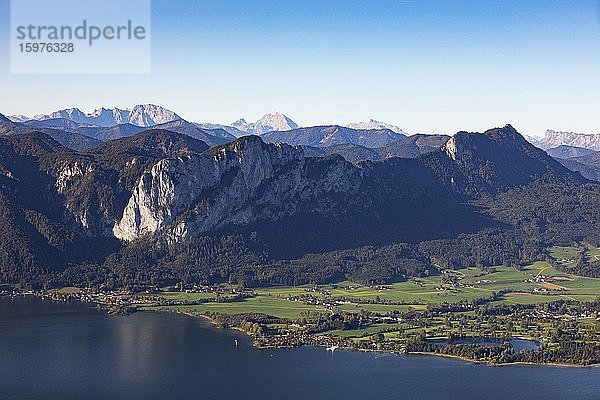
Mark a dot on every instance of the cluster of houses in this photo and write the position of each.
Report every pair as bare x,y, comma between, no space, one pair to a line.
295,339
571,315
315,301
548,279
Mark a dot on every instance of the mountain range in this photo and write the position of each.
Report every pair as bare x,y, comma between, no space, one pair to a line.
371,140
564,151
582,160
97,134
404,147
77,130
124,204
552,139
374,124
331,135
159,206
146,115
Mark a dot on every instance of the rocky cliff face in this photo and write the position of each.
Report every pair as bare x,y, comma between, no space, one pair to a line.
242,202
92,187
92,212
248,181
460,145
235,184
490,162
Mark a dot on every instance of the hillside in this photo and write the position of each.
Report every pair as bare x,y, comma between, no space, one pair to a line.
331,135
238,210
70,139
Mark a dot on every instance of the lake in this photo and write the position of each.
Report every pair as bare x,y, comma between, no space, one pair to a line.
51,350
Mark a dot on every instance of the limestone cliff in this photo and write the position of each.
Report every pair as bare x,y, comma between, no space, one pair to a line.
235,184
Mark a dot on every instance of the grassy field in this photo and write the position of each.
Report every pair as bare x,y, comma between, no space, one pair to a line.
66,290
594,252
279,307
183,296
533,284
360,333
470,283
568,256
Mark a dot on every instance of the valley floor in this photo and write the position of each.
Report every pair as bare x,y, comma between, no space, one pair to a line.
471,313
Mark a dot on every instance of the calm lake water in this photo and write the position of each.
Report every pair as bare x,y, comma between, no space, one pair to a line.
68,351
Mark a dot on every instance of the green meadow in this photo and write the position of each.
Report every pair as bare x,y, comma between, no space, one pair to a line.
279,307
414,294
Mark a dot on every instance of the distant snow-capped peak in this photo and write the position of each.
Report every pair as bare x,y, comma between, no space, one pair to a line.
145,115
150,114
267,123
374,124
274,122
243,126
554,139
18,118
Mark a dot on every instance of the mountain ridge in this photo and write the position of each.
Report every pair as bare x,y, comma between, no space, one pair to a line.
556,138
464,162
331,135
68,139
374,124
565,151
143,115
159,205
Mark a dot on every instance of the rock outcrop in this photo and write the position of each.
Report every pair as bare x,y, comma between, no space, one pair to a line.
235,184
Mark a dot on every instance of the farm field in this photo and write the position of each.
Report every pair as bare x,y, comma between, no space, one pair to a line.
536,283
568,256
466,303
278,307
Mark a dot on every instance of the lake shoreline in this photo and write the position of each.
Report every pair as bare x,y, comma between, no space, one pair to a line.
69,350
302,340
488,364
424,353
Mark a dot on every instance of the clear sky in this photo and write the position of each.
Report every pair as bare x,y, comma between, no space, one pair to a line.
426,66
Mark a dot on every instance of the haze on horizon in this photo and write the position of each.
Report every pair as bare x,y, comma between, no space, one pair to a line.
426,66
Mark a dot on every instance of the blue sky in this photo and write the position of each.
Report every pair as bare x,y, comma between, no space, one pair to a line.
427,66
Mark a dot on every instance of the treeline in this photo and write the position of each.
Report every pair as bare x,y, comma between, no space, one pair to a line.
585,265
254,324
337,321
559,214
566,352
527,220
244,259
240,259
504,353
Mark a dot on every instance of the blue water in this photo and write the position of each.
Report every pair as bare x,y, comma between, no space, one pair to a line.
68,351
